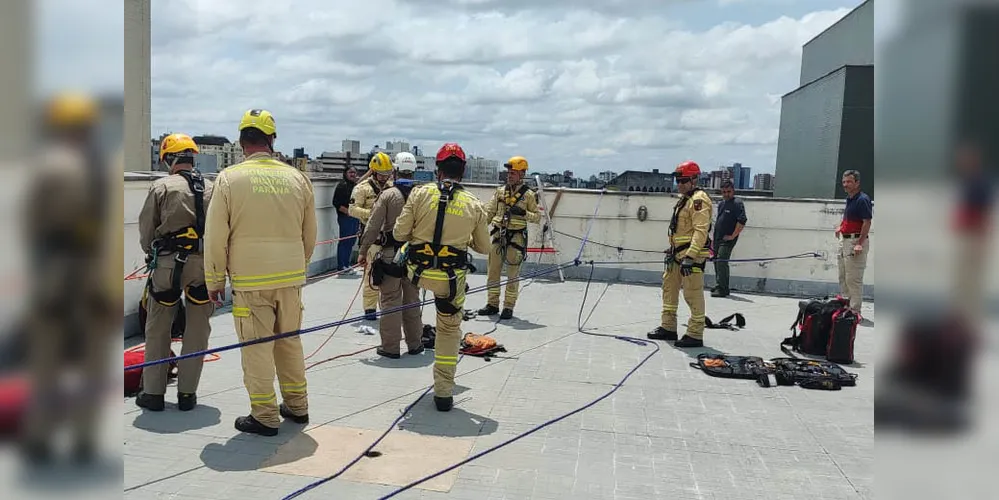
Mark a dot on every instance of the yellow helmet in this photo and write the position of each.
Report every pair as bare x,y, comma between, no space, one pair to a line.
176,143
518,163
260,119
71,109
380,163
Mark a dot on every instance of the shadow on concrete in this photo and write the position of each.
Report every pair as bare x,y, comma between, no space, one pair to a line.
247,452
866,322
174,421
736,298
521,324
425,419
70,478
425,358
693,352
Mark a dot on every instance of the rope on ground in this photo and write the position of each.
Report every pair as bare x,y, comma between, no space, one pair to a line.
816,255
338,323
337,328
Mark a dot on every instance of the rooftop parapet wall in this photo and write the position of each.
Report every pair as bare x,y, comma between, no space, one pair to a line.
777,227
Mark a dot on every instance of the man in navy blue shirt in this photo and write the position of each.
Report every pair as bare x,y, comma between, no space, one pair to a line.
854,230
731,219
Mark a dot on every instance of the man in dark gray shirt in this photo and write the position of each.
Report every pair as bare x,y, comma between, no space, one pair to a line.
731,220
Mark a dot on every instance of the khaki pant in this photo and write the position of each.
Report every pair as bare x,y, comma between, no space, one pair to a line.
159,326
495,270
396,292
693,294
851,272
368,292
263,313
448,331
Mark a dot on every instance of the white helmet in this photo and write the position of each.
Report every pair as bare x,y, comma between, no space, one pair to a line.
405,161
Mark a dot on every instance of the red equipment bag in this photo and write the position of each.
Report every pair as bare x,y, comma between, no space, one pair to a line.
15,392
133,378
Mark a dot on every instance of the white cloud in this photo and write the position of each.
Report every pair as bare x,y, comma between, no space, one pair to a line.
561,84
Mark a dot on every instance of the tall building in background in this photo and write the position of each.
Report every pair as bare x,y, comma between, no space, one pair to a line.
482,171
299,153
227,152
763,182
606,176
827,124
394,147
351,146
740,176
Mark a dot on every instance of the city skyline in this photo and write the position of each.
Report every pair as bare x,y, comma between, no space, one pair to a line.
561,84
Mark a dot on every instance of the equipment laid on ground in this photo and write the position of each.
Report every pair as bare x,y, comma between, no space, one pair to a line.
825,328
133,378
726,322
805,373
812,374
473,344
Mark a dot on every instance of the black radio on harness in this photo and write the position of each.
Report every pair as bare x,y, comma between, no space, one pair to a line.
380,268
440,257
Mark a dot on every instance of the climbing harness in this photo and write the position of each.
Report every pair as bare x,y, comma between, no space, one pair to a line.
503,236
725,323
444,258
181,244
675,250
386,239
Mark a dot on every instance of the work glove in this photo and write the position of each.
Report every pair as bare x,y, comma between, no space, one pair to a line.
686,266
515,210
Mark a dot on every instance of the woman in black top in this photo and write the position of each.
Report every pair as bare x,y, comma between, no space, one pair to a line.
348,225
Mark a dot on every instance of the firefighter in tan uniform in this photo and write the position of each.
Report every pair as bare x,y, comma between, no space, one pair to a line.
511,208
171,232
362,200
390,278
261,230
439,222
69,313
689,250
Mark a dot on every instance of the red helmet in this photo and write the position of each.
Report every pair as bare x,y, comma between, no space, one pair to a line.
449,150
688,169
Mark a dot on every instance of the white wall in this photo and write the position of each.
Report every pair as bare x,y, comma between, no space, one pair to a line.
775,228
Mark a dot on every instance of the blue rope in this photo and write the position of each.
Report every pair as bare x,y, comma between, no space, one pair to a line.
316,328
761,259
579,324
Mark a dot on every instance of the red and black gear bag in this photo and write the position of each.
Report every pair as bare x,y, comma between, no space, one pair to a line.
133,378
812,328
842,335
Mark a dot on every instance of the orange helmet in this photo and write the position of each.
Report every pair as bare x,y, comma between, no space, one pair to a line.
687,169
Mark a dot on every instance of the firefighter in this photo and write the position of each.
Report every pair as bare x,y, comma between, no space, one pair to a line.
362,199
69,312
511,208
394,289
439,221
262,230
689,250
171,232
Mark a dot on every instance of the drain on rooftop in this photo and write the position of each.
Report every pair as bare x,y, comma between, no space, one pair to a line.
373,454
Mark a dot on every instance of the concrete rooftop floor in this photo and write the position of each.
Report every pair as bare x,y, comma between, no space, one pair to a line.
670,432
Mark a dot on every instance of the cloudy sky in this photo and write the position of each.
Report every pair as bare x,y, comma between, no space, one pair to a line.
585,85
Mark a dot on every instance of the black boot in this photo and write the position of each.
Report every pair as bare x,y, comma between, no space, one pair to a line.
444,404
186,402
150,402
661,333
288,415
489,310
416,350
719,293
392,355
507,313
252,426
688,341
369,315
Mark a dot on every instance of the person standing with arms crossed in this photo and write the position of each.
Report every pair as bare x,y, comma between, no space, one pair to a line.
853,232
731,220
261,230
347,226
439,222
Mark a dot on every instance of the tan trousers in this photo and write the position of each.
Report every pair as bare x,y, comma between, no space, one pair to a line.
693,294
448,332
851,272
495,270
368,292
396,292
264,313
159,326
